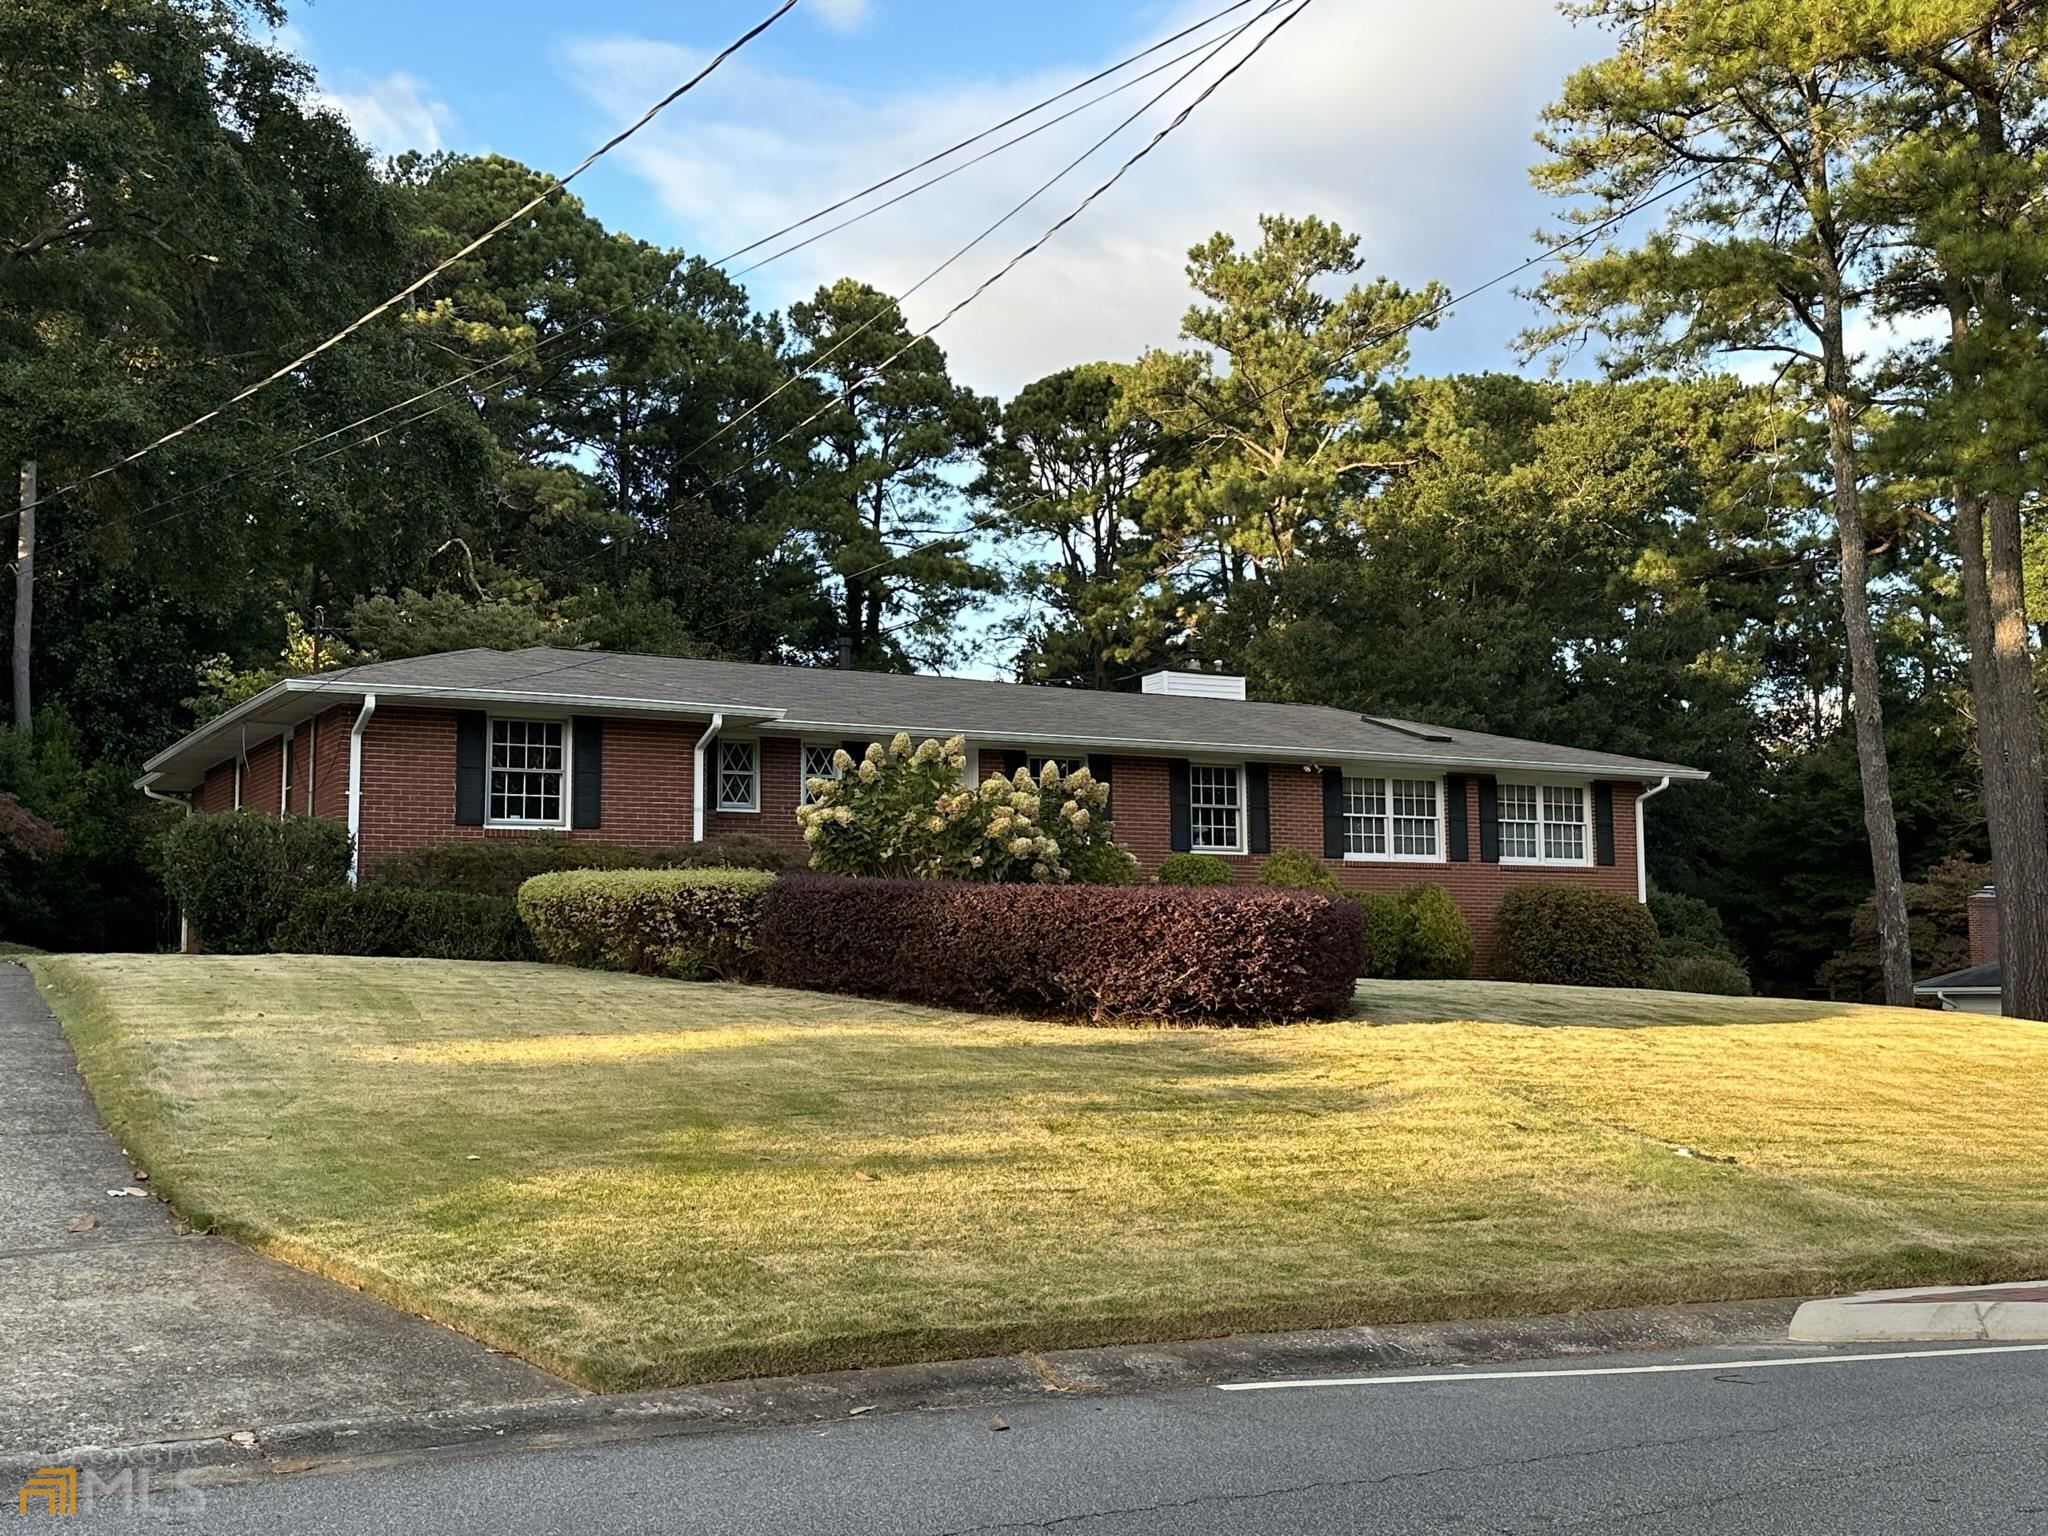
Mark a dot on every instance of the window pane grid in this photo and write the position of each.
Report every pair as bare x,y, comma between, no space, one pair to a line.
1518,821
526,771
1365,815
1414,803
817,765
1212,808
736,776
1564,823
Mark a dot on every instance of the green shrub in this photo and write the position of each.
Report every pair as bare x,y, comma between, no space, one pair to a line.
385,921
1693,968
498,866
689,924
1572,935
1689,920
1292,870
238,876
1194,869
1436,941
1386,920
902,811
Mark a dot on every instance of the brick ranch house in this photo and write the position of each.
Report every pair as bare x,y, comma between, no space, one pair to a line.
657,751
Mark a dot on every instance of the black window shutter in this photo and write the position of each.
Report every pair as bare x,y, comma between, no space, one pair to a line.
855,749
471,731
586,802
1179,834
1012,761
1258,802
1489,819
1333,813
1456,839
1603,823
1100,766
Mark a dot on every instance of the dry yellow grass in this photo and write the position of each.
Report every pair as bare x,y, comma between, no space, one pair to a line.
639,1182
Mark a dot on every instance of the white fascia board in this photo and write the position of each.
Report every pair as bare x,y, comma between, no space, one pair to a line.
1643,773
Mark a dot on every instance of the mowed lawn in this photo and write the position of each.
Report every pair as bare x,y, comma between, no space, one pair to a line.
636,1182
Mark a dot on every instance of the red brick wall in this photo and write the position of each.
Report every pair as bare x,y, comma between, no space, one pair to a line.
778,796
409,801
409,786
263,775
1983,910
217,793
1140,809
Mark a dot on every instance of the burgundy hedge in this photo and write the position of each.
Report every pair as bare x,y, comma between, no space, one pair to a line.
1078,951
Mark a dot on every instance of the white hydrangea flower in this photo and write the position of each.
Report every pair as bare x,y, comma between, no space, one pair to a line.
1020,846
899,744
843,760
875,754
869,772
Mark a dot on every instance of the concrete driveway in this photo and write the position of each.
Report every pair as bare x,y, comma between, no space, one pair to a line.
129,1332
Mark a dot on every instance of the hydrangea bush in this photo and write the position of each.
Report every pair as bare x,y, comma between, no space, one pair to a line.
905,812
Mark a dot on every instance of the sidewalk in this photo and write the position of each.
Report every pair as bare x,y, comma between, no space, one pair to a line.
128,1332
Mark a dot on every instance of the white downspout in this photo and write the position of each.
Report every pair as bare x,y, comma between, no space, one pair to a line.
1642,856
355,787
697,778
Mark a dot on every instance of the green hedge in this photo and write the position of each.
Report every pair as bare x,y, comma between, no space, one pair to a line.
499,866
238,876
1194,869
1416,935
1686,967
692,925
382,921
1571,935
1292,870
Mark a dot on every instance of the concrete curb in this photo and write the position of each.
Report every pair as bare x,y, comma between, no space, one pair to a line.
1927,1314
254,1451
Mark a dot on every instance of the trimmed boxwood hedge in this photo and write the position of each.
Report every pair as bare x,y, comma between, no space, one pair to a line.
498,866
688,924
433,925
1194,869
237,875
1095,952
1573,936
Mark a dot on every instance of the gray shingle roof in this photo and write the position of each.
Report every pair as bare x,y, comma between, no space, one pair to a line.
839,703
1986,977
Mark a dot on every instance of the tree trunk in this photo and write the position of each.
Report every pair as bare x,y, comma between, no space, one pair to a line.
1894,941
24,597
2013,795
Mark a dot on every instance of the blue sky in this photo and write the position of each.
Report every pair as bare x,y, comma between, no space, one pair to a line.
1408,123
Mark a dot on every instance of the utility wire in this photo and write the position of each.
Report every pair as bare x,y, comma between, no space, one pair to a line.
532,351
555,185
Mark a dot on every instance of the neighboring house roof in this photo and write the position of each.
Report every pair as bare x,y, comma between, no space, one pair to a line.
1985,978
835,703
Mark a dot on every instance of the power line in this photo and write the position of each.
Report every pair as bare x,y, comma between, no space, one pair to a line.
555,185
533,351
812,365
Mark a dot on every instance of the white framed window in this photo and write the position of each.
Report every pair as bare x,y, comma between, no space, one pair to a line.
1544,824
817,764
529,763
1521,821
1215,808
1393,818
739,775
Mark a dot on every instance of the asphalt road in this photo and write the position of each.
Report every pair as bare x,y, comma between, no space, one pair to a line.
1914,1446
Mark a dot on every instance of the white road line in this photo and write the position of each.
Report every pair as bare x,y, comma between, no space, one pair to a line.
1629,1370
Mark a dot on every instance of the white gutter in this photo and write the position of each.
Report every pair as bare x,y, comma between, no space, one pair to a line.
1642,854
355,787
697,778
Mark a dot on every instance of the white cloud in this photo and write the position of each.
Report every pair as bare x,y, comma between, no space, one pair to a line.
843,15
1408,125
393,114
